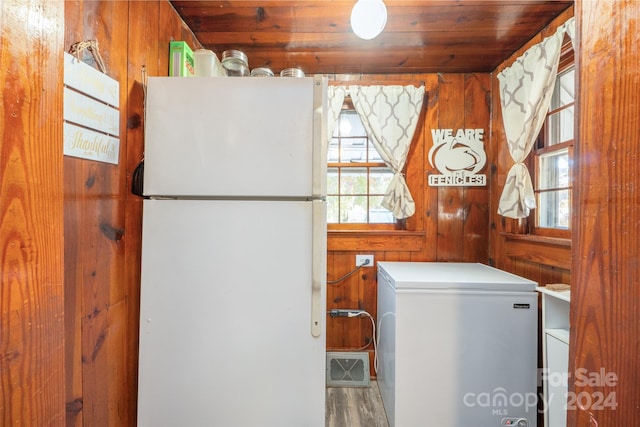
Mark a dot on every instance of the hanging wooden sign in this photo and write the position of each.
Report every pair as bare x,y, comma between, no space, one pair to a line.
91,115
458,156
87,144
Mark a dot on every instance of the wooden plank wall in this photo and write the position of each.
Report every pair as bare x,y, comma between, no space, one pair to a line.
103,219
69,319
31,214
450,224
606,267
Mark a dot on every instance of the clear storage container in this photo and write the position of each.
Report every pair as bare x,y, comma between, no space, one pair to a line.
262,72
292,72
235,63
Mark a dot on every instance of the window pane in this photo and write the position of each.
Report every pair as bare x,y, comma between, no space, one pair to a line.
332,209
336,129
553,209
567,87
380,179
560,126
332,180
351,125
566,124
332,155
353,209
554,170
353,181
378,214
374,157
564,90
353,150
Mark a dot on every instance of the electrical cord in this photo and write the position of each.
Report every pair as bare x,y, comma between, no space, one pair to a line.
380,321
358,313
335,282
374,339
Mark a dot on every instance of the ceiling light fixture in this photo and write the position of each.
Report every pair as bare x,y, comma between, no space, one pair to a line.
368,18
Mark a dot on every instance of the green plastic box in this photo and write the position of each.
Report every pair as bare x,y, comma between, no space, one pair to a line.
181,62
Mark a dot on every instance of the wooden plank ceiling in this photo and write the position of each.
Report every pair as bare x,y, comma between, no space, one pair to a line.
419,37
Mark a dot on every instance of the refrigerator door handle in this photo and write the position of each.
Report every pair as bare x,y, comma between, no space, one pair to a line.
318,267
320,139
319,182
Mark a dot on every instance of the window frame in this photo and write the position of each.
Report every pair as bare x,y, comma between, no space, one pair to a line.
543,147
373,226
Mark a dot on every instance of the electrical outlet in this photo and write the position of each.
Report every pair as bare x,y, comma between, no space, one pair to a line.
366,260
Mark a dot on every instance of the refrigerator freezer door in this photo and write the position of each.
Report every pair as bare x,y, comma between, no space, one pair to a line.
225,334
219,137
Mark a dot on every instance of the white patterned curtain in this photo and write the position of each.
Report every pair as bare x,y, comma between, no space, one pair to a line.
335,96
390,115
525,94
570,28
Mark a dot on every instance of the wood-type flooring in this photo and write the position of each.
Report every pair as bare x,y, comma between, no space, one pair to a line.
355,407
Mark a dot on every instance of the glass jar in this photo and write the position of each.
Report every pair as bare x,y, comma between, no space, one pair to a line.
235,63
292,72
262,72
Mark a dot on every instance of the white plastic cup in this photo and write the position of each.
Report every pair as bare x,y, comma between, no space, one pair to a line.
206,63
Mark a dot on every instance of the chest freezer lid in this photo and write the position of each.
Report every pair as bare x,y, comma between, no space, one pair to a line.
452,275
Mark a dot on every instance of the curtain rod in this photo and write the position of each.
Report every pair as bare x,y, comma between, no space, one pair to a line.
346,84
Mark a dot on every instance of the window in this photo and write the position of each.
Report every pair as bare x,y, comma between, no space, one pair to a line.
357,178
554,156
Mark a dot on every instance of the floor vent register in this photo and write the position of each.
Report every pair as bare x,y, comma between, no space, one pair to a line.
348,369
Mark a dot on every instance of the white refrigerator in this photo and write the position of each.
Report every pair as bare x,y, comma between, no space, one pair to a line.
232,307
457,345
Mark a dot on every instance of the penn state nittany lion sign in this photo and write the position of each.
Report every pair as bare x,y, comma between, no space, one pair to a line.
458,157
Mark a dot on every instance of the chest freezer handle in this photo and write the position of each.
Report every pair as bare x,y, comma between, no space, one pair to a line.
318,267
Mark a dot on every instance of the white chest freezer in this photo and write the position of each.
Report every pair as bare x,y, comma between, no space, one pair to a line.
457,345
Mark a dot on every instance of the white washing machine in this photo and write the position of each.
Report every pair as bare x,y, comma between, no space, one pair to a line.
457,345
